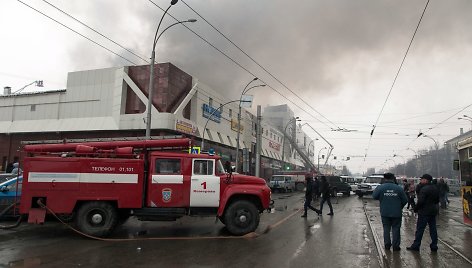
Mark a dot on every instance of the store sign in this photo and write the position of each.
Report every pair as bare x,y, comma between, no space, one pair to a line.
185,127
213,112
274,145
234,126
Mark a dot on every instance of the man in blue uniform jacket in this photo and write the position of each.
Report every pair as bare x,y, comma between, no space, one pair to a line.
392,200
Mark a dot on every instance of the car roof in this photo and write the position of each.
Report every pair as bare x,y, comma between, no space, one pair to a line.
10,181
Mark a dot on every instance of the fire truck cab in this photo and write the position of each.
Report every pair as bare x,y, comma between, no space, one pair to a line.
98,184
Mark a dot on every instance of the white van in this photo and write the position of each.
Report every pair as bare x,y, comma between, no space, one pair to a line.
282,183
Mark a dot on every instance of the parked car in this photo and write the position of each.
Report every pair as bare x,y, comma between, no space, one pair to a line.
6,176
10,192
282,183
353,181
369,184
338,185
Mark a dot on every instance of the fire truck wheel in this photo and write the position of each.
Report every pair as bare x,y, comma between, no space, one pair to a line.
300,186
241,217
96,218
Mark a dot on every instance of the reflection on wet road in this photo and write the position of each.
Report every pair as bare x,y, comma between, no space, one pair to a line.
284,240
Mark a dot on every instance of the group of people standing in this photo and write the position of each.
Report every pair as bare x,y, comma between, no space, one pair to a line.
315,188
393,198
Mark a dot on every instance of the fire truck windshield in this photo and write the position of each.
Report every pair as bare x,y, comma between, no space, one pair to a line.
219,167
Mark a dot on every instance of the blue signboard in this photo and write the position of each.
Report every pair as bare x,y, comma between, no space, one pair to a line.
214,112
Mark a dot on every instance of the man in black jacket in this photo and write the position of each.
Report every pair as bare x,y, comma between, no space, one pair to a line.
309,196
325,190
427,209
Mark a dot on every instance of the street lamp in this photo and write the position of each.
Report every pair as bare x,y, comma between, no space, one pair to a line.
285,131
245,90
153,57
465,117
209,117
417,158
404,163
437,152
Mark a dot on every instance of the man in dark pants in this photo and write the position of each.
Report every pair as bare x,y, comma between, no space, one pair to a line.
309,196
427,209
325,191
316,188
392,200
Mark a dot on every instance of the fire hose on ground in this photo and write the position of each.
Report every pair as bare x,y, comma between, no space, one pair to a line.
18,221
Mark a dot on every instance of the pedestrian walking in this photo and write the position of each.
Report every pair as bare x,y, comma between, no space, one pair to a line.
392,200
309,196
443,191
406,188
316,189
427,209
325,190
411,195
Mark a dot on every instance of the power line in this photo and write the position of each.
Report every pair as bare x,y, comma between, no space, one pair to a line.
396,76
65,26
77,20
258,64
237,63
435,126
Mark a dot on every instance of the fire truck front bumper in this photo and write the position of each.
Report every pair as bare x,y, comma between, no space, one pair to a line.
271,205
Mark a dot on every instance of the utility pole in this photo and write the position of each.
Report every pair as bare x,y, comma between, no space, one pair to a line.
258,141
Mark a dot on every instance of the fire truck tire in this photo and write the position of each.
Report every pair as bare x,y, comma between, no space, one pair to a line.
96,218
242,217
300,186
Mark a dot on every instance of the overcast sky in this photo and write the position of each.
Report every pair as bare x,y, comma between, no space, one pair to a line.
340,58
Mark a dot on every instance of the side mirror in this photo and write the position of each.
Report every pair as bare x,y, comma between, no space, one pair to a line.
228,167
456,165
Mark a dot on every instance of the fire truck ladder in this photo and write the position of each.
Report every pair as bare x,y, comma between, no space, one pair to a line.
101,140
302,154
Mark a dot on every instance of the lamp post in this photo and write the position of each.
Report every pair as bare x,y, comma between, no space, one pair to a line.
465,117
153,57
209,117
418,162
245,90
404,163
437,153
285,131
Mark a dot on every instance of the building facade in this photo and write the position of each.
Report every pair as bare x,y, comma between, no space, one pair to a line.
112,102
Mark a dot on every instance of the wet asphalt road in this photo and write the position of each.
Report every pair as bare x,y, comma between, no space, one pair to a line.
451,230
343,240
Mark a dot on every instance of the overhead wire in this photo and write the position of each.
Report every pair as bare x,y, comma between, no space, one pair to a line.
67,27
422,133
140,57
396,77
237,63
96,31
258,64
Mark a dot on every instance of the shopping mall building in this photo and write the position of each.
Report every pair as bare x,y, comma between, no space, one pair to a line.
111,103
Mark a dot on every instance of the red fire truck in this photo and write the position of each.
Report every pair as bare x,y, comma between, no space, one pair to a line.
98,184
